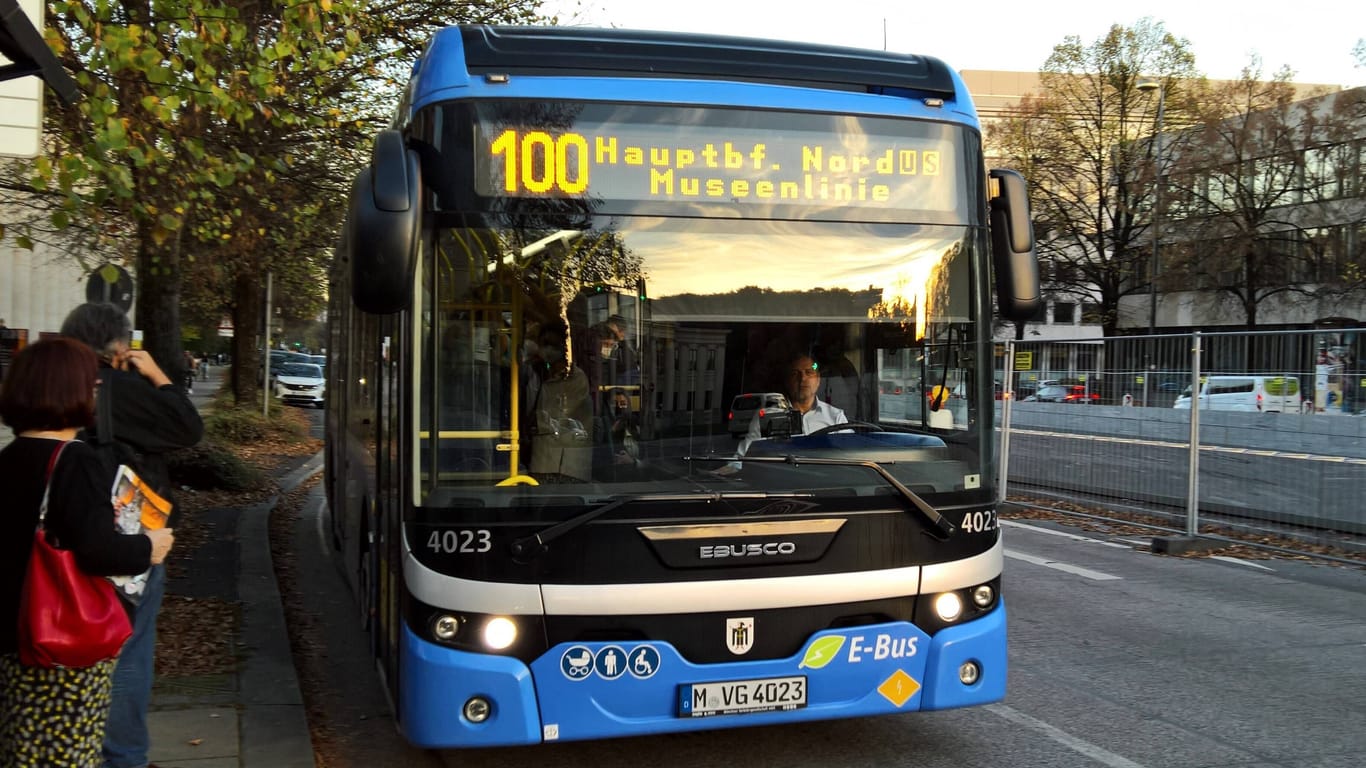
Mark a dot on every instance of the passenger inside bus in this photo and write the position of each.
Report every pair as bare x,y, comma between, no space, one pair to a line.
617,439
558,408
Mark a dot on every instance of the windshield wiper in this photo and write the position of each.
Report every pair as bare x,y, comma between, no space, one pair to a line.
537,543
943,529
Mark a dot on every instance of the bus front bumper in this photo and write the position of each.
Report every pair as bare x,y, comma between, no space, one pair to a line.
605,689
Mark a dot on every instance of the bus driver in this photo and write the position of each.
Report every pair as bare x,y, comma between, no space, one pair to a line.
801,382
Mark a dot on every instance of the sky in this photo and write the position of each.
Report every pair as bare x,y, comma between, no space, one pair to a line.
1315,38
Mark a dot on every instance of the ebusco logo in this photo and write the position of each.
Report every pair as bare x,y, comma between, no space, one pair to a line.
768,549
883,645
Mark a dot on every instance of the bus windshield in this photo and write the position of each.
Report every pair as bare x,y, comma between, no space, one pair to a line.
647,354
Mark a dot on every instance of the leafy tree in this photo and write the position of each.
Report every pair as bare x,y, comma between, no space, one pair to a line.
1252,189
224,131
1078,143
166,86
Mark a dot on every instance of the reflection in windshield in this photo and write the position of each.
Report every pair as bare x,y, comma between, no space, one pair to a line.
597,360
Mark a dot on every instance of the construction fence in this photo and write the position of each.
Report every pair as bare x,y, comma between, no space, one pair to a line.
1244,433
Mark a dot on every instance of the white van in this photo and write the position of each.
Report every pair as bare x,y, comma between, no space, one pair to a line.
1250,393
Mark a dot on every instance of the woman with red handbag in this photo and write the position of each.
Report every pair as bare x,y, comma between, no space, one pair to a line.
54,676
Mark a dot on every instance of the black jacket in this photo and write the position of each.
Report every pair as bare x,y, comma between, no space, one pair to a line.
151,421
79,516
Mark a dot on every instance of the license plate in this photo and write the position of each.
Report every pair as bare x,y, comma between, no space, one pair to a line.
740,697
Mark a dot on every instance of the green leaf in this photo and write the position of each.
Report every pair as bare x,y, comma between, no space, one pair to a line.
115,137
822,652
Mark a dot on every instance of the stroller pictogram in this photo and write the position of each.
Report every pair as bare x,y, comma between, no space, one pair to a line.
579,666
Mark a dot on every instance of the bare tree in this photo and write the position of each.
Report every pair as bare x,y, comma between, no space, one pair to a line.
1257,191
1081,144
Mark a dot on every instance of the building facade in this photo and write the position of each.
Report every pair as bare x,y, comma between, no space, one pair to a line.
1328,242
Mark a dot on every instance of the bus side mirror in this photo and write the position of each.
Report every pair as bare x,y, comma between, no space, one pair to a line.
1012,247
384,220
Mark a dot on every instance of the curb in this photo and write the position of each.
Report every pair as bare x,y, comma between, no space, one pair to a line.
274,723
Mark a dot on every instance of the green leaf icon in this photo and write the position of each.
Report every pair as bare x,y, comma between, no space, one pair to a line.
822,652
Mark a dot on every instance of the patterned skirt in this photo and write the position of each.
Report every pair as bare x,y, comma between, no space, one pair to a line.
53,718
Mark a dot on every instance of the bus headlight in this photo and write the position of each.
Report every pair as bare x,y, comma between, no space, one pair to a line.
499,633
949,606
983,595
445,627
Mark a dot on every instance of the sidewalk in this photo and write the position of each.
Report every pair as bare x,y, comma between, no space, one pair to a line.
253,717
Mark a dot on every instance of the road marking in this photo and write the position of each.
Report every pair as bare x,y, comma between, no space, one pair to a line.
1238,561
1054,564
1064,534
1099,754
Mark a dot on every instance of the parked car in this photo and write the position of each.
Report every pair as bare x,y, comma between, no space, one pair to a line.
773,410
1248,393
300,383
1063,393
279,357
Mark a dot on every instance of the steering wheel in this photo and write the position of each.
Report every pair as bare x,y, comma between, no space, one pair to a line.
855,426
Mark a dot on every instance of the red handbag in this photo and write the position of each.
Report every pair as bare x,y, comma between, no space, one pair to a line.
67,617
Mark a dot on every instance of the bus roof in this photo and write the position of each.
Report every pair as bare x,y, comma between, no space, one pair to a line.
596,52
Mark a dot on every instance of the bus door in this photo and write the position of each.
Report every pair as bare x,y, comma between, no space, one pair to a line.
469,421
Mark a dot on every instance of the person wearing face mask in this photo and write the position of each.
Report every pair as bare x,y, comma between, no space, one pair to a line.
616,440
558,408
621,431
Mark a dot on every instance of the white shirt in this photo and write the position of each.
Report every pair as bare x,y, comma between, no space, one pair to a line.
820,415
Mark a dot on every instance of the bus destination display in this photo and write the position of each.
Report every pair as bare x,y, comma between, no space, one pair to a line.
702,164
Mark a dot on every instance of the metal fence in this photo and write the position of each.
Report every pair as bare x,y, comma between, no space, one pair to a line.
1279,430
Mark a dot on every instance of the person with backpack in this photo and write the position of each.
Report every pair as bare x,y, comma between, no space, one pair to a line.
141,416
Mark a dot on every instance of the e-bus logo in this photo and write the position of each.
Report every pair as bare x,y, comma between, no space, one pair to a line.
767,549
884,646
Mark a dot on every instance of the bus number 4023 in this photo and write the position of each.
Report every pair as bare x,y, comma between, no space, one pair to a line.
980,522
460,541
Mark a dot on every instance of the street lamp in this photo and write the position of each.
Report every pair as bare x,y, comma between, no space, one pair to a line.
1153,84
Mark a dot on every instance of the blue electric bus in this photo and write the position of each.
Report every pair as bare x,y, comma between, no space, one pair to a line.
575,256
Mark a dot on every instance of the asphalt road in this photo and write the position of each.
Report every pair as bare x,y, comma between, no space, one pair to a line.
1302,489
1119,658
